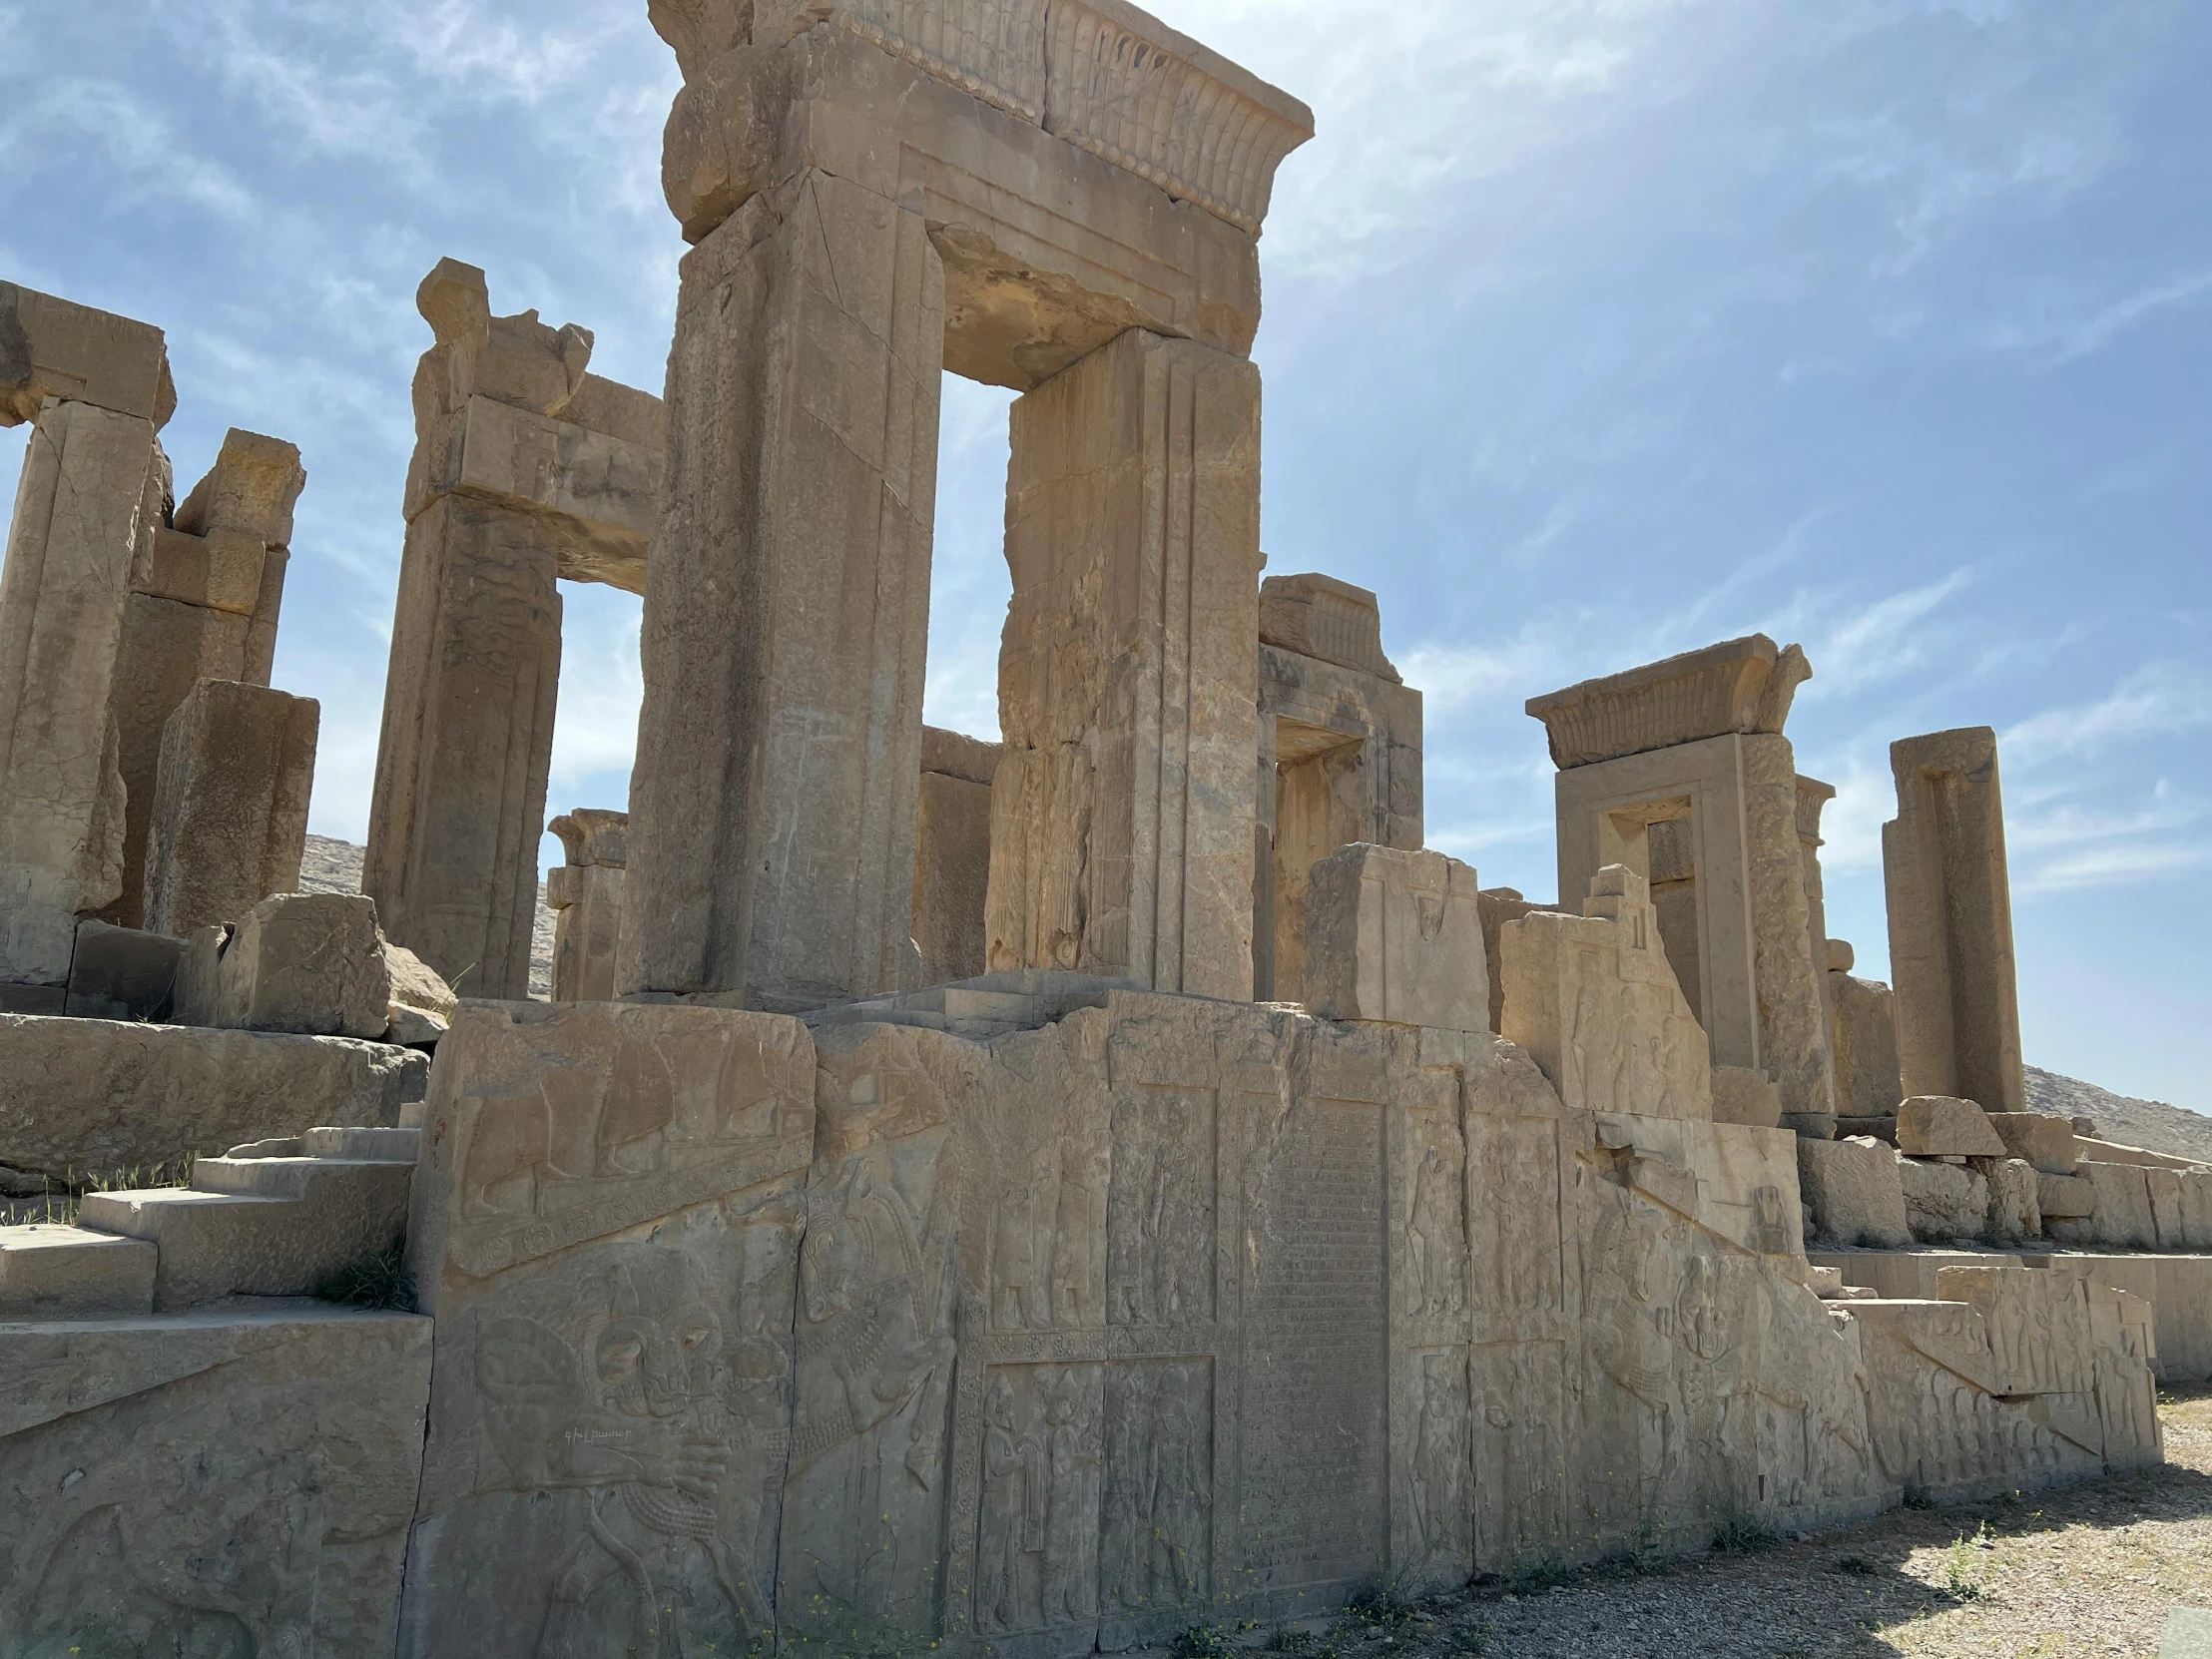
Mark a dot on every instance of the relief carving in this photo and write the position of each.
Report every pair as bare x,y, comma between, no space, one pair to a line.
1043,1445
1160,1209
1158,1512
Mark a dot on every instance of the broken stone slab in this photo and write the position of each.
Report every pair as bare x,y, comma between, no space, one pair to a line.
312,963
55,348
1396,937
229,824
1854,1191
1740,685
1594,1002
1863,1029
2045,1141
422,1004
123,973
1317,616
251,491
1931,1126
278,1451
101,1097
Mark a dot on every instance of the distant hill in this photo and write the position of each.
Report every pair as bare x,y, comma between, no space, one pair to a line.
336,866
2150,1124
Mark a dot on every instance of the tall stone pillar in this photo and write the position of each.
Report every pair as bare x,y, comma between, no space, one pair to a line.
586,896
467,743
1950,922
90,501
1123,819
787,611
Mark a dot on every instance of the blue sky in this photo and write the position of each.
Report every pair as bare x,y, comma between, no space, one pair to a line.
1596,330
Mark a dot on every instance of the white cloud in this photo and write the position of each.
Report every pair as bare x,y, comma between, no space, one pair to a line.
1879,641
2113,867
2157,699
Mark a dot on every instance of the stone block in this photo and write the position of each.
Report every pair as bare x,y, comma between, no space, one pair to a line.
228,1484
1594,1002
123,973
2121,1218
952,874
1942,1201
1934,1127
1744,1097
55,349
101,1098
2065,1197
2015,1209
1742,686
2196,1209
1398,938
1855,1192
1321,617
416,985
229,820
80,515
1864,1032
1499,906
2045,1142
251,491
312,963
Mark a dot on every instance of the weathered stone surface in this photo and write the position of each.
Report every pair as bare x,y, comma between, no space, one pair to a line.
1942,1201
606,1225
414,984
1930,1125
228,821
585,893
1122,830
2045,1142
802,418
1950,922
219,1483
54,1272
122,973
1739,687
1595,1004
1744,1097
102,1097
55,349
1864,1034
80,514
2163,1188
1340,762
1714,827
1396,937
312,963
2196,1209
1499,906
2015,1209
1854,1191
953,854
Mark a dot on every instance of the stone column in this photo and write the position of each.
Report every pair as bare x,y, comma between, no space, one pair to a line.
1950,922
1123,820
1813,798
204,607
85,510
586,894
787,612
459,801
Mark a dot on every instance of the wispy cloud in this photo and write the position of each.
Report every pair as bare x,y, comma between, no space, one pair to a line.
2113,866
2160,698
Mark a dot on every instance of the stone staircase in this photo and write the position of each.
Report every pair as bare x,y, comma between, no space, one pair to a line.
272,1218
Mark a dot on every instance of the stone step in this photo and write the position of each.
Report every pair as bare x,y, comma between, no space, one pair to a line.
49,1271
265,1226
368,1146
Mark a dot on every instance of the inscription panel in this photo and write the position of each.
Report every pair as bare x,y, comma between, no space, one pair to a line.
1315,1359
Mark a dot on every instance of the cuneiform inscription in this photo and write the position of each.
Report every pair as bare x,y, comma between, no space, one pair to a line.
1315,1366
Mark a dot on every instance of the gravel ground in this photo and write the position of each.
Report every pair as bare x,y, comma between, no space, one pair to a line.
2094,1570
